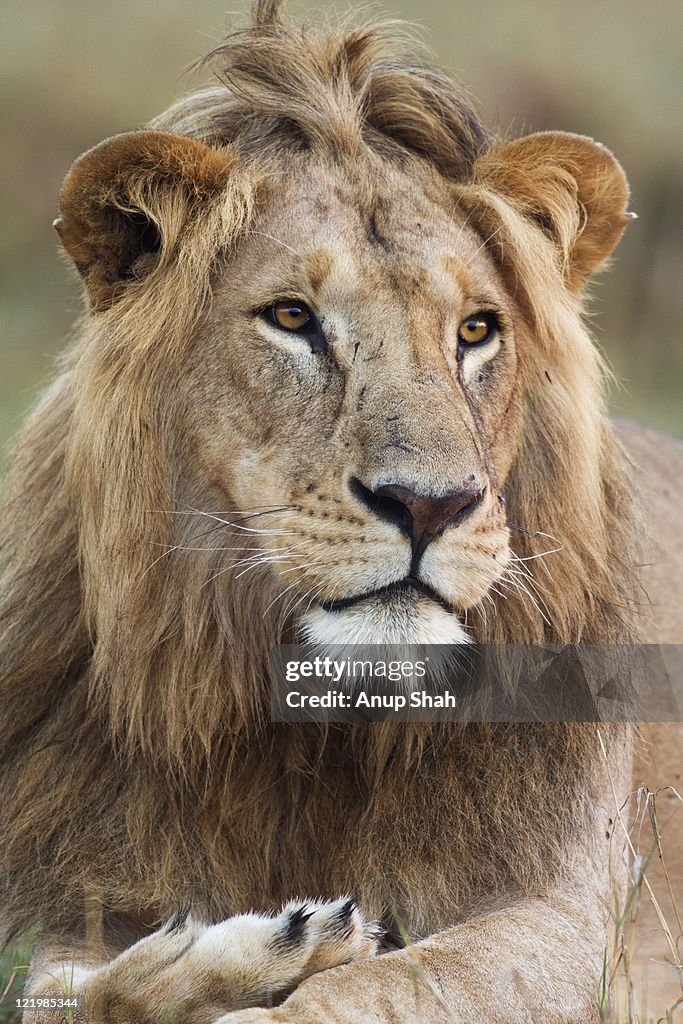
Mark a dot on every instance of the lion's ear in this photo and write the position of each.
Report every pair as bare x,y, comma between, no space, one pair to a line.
570,186
125,204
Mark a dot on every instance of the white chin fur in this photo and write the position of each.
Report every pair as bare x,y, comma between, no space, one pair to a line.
384,622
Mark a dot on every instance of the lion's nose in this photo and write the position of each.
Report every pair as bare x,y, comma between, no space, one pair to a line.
423,517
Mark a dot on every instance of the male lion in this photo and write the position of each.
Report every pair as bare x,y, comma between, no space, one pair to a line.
332,380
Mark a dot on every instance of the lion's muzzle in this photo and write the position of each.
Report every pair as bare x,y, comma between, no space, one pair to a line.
422,517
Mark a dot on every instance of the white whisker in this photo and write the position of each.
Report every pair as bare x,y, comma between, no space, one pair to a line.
235,526
541,554
278,240
482,246
522,589
287,589
266,560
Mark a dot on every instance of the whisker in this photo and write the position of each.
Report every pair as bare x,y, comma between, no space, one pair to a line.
213,515
186,547
315,593
254,560
531,533
162,555
312,593
295,601
278,240
483,245
526,575
218,526
287,589
267,560
237,526
481,610
247,510
266,512
541,554
520,562
522,589
529,579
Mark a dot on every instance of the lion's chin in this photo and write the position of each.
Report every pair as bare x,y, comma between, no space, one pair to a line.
417,620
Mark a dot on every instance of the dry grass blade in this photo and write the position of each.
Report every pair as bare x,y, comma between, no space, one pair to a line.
622,1002
419,975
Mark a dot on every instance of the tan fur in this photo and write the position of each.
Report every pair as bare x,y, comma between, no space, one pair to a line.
141,772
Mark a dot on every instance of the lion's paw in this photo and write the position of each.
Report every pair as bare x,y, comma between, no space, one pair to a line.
271,955
321,934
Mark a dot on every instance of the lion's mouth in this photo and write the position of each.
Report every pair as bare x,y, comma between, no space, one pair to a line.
397,589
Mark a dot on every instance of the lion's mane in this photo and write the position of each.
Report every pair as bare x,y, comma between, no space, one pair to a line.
136,753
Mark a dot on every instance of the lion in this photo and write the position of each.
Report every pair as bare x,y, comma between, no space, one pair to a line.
332,382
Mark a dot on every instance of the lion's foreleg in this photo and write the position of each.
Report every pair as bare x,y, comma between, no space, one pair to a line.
192,973
539,960
533,959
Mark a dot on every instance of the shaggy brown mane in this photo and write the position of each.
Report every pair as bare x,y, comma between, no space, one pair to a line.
333,88
138,684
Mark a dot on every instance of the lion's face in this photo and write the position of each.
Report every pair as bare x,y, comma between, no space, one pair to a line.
369,430
346,361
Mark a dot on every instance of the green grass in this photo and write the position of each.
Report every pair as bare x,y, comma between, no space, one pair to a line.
13,966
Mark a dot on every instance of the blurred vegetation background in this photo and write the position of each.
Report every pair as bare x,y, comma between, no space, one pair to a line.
73,72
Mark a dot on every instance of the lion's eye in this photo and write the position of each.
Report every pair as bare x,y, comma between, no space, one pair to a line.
478,329
291,315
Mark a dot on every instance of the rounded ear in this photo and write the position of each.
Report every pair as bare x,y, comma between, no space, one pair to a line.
124,205
573,188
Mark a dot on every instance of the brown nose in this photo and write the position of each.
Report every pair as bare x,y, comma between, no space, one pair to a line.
423,517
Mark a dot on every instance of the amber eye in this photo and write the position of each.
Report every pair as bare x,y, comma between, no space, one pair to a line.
477,329
291,315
